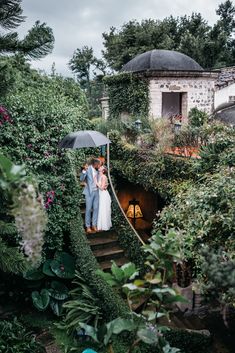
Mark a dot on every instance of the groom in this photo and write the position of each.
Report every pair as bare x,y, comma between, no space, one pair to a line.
91,193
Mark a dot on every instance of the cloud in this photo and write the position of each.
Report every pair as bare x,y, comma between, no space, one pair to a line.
76,23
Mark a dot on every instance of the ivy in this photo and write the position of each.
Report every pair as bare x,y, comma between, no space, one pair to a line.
160,173
40,116
129,93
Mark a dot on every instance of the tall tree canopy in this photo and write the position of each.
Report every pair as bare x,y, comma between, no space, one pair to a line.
89,71
210,46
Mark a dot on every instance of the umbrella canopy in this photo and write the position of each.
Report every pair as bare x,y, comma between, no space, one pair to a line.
81,139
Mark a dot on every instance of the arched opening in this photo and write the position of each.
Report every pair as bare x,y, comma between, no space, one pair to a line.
149,202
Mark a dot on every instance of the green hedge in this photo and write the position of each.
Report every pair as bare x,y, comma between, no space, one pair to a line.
42,112
189,342
161,173
111,303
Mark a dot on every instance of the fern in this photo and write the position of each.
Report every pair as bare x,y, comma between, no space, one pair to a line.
11,259
7,228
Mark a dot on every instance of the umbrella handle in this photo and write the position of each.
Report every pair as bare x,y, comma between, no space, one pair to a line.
116,198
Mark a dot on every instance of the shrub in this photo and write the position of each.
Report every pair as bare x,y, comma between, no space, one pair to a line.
204,213
162,133
15,338
189,342
161,173
197,117
43,111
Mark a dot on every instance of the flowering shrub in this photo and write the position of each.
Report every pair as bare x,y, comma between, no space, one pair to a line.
50,195
27,226
4,116
30,220
44,111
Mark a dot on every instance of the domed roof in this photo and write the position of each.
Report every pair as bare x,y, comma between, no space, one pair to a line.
225,113
161,60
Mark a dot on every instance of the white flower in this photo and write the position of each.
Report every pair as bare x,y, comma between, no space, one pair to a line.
30,220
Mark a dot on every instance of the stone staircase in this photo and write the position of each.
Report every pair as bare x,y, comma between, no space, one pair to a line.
105,246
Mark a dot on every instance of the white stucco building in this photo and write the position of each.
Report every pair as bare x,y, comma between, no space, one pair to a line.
225,86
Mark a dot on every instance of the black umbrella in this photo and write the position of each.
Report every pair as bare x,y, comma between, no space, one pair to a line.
81,139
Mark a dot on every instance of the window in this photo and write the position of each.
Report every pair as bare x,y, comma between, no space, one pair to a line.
231,99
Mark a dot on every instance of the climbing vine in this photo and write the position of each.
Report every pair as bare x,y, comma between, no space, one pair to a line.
127,93
161,173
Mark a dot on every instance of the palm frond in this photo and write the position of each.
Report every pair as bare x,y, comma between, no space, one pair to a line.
7,228
11,259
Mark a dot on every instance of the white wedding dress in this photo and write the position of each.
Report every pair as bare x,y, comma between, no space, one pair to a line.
104,215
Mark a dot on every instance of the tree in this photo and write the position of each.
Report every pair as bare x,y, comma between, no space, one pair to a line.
89,71
224,31
191,35
134,38
36,44
226,11
81,64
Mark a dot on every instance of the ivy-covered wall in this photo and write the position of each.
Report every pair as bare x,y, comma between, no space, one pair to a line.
41,115
161,173
127,93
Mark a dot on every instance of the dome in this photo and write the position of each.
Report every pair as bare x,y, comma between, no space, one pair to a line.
161,60
225,113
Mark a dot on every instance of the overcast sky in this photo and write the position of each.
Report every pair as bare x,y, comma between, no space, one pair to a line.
76,23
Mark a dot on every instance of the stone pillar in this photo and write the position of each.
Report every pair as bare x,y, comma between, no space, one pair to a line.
105,107
184,107
155,100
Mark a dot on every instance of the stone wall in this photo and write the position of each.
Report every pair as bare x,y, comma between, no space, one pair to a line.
197,92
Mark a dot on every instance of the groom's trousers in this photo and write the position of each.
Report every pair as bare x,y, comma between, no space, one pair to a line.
92,206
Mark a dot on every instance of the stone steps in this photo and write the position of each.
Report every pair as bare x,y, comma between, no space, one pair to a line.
105,246
110,253
106,265
103,241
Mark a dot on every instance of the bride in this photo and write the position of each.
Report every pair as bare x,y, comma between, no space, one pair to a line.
104,214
